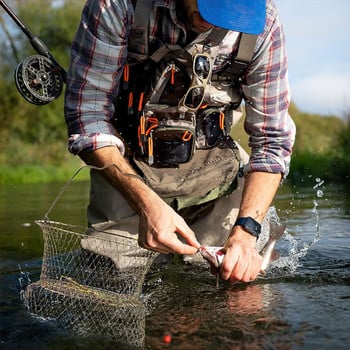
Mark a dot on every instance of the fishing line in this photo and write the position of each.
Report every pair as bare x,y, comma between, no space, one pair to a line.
53,204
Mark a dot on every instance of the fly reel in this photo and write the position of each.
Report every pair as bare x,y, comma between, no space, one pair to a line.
38,80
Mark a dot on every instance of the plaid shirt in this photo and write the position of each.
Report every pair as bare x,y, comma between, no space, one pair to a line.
99,52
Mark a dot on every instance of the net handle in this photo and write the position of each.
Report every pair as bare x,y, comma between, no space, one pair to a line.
59,195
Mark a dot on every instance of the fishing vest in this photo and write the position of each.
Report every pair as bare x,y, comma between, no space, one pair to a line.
177,140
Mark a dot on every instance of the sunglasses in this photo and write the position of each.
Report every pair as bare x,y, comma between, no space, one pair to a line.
202,68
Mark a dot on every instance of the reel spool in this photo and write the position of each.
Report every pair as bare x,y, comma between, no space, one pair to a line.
38,80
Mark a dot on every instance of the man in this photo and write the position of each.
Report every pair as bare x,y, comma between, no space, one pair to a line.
99,53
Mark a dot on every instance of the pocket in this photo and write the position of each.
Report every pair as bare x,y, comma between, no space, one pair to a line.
211,125
210,174
172,146
166,143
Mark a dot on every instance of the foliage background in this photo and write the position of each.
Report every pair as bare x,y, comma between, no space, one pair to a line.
33,140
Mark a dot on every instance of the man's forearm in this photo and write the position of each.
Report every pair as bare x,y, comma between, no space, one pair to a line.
259,191
120,175
242,262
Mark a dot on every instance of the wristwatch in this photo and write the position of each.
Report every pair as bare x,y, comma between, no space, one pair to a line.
250,225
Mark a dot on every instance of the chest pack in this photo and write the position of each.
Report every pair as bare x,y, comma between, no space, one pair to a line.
178,141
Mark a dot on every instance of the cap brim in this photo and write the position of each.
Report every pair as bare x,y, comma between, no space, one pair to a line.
247,16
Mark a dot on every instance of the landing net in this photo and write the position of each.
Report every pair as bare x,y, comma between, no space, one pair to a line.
91,282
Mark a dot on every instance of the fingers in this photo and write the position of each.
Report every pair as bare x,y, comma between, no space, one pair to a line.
159,231
166,243
181,248
185,232
241,263
156,248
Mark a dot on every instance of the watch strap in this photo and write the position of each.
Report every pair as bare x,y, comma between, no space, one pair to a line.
250,225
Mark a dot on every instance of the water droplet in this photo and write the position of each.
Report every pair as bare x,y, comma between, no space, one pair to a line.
319,193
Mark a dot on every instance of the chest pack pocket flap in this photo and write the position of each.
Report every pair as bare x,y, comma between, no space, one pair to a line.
210,174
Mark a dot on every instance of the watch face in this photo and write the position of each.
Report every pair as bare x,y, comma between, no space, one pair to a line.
251,230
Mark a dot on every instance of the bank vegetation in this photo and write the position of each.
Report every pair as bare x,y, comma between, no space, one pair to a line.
33,146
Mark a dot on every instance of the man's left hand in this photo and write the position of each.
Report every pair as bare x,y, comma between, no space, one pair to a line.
242,261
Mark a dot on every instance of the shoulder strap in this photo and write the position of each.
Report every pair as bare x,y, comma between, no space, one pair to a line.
142,12
244,53
138,37
215,37
246,47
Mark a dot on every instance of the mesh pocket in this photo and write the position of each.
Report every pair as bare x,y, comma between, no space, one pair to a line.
212,124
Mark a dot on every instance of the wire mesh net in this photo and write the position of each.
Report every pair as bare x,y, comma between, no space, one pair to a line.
91,282
91,293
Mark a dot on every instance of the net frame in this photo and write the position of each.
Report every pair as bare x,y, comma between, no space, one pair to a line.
88,291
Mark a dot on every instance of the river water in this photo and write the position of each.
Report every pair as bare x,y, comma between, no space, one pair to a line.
302,303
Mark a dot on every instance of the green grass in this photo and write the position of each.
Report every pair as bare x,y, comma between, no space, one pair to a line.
305,167
26,174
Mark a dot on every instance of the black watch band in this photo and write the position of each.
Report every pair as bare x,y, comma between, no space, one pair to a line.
250,225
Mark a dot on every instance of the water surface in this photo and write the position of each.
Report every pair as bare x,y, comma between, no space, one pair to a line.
302,303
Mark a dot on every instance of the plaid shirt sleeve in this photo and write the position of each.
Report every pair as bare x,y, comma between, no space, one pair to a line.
98,55
266,89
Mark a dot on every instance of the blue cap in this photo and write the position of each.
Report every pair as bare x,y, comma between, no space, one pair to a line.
246,16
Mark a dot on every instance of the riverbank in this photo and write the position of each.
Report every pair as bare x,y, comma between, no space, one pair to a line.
33,174
304,169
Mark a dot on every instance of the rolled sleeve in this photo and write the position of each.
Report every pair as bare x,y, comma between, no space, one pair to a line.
267,97
91,142
98,54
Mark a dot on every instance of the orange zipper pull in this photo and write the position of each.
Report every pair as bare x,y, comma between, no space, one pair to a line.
139,109
186,136
222,121
172,78
143,128
126,73
150,150
130,103
141,133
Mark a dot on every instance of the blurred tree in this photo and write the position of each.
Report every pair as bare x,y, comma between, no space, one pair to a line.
34,134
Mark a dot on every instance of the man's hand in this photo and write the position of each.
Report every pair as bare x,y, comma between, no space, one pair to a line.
159,227
159,224
242,262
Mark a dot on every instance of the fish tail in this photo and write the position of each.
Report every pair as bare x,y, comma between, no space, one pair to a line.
276,231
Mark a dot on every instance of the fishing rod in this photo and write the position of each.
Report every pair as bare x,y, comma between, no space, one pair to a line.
39,78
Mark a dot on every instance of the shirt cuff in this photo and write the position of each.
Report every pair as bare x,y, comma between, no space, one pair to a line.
92,142
274,166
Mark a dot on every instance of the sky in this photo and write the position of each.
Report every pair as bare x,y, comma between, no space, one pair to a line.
318,45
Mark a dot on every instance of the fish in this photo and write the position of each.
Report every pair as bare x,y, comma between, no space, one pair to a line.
268,252
215,255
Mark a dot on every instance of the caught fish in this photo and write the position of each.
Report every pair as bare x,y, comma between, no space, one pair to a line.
268,253
215,255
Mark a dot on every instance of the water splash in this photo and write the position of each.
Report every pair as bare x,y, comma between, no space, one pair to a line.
23,280
288,243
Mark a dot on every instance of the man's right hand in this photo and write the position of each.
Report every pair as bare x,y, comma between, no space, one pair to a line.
159,224
159,227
